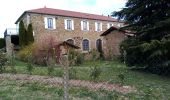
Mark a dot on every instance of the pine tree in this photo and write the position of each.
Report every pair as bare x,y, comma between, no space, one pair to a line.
22,34
30,38
150,20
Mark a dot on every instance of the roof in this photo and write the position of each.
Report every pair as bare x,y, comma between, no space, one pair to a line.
59,12
69,44
118,29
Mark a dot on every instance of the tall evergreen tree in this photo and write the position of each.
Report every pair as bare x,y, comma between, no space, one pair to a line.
150,20
2,43
22,34
30,38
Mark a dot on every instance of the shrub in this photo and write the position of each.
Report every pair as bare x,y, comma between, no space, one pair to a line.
25,53
72,73
29,65
95,73
95,54
121,78
2,43
41,50
75,57
3,61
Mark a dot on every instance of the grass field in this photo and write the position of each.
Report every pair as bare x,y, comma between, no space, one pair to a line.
149,86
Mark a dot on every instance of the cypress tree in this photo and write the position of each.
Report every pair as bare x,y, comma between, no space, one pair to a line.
30,38
2,43
22,34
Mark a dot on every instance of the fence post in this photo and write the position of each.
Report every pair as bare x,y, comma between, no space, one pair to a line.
65,64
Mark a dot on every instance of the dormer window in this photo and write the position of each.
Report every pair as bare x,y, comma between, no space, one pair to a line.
50,23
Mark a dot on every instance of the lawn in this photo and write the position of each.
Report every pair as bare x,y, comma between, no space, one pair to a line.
149,86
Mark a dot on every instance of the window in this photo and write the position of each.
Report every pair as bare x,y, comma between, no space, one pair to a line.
98,26
70,41
84,25
85,45
49,23
109,25
69,25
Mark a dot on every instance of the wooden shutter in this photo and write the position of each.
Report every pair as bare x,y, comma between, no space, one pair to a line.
65,23
88,25
54,23
45,22
81,25
72,22
95,26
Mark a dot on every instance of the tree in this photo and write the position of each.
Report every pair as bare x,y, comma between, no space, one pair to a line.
30,38
22,35
150,20
2,43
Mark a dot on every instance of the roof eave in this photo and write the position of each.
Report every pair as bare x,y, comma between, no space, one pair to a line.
20,17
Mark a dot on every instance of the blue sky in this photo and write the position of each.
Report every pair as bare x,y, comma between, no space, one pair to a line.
12,9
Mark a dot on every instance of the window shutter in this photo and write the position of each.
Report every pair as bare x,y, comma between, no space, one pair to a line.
54,23
95,26
72,22
87,25
108,25
65,23
45,22
101,26
81,25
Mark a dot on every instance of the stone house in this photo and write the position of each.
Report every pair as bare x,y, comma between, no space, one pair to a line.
80,29
111,41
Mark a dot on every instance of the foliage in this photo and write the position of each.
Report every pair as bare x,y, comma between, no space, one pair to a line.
22,35
75,57
41,50
26,52
72,73
95,73
121,78
25,35
30,37
95,54
149,48
2,43
29,65
3,61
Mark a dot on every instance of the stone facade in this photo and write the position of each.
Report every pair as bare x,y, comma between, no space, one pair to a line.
111,43
61,33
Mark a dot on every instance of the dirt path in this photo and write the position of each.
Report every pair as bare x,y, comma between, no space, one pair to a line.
56,81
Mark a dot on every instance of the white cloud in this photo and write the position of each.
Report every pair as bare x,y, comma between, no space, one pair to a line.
12,9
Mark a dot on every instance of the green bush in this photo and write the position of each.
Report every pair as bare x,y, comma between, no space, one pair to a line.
3,61
95,73
75,57
95,54
2,43
150,56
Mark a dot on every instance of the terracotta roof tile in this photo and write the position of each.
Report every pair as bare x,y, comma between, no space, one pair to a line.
52,11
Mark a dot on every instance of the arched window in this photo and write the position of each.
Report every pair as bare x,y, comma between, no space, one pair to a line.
99,45
85,45
71,41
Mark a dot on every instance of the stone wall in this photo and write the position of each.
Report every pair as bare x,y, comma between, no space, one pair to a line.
111,44
62,34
